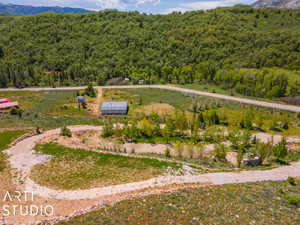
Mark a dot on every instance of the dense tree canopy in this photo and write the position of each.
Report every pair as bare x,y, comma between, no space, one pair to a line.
180,48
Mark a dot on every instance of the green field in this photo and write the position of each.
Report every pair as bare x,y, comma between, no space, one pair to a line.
6,137
79,169
268,203
46,109
174,98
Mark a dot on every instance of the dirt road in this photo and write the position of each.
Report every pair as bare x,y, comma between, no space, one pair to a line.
184,90
24,149
95,107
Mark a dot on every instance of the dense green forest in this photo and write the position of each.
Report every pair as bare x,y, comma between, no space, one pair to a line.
241,48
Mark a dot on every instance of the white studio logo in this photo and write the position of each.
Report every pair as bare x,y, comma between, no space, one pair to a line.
24,209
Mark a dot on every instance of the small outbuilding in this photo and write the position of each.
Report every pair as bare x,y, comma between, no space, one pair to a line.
8,105
81,101
5,100
114,108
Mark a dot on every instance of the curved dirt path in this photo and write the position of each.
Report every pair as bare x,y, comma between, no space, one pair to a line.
184,90
22,157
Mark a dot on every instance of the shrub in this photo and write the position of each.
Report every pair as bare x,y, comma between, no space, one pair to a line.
263,150
239,158
90,91
213,118
168,153
292,181
220,152
131,133
280,150
16,111
248,121
107,130
2,162
201,121
66,132
274,126
214,135
147,127
285,126
140,102
293,199
38,130
241,140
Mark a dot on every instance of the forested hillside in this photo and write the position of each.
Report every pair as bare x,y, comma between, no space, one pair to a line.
226,46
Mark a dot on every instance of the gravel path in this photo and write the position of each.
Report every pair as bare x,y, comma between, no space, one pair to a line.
22,157
226,97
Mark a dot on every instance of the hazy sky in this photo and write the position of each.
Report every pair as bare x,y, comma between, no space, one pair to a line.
148,6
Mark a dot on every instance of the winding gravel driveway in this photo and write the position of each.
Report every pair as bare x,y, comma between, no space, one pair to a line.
184,90
22,157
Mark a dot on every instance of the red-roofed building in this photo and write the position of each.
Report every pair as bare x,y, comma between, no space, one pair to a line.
4,100
8,105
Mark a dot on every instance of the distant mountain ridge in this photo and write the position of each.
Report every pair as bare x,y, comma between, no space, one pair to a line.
280,4
11,9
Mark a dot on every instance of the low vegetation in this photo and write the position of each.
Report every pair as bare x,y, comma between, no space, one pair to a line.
253,203
46,110
66,132
2,162
80,169
6,137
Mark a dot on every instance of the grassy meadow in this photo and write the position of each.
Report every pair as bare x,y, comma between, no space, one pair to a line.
268,203
79,169
6,137
46,109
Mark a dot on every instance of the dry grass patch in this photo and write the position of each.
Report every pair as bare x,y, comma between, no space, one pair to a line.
159,108
80,169
234,204
118,95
